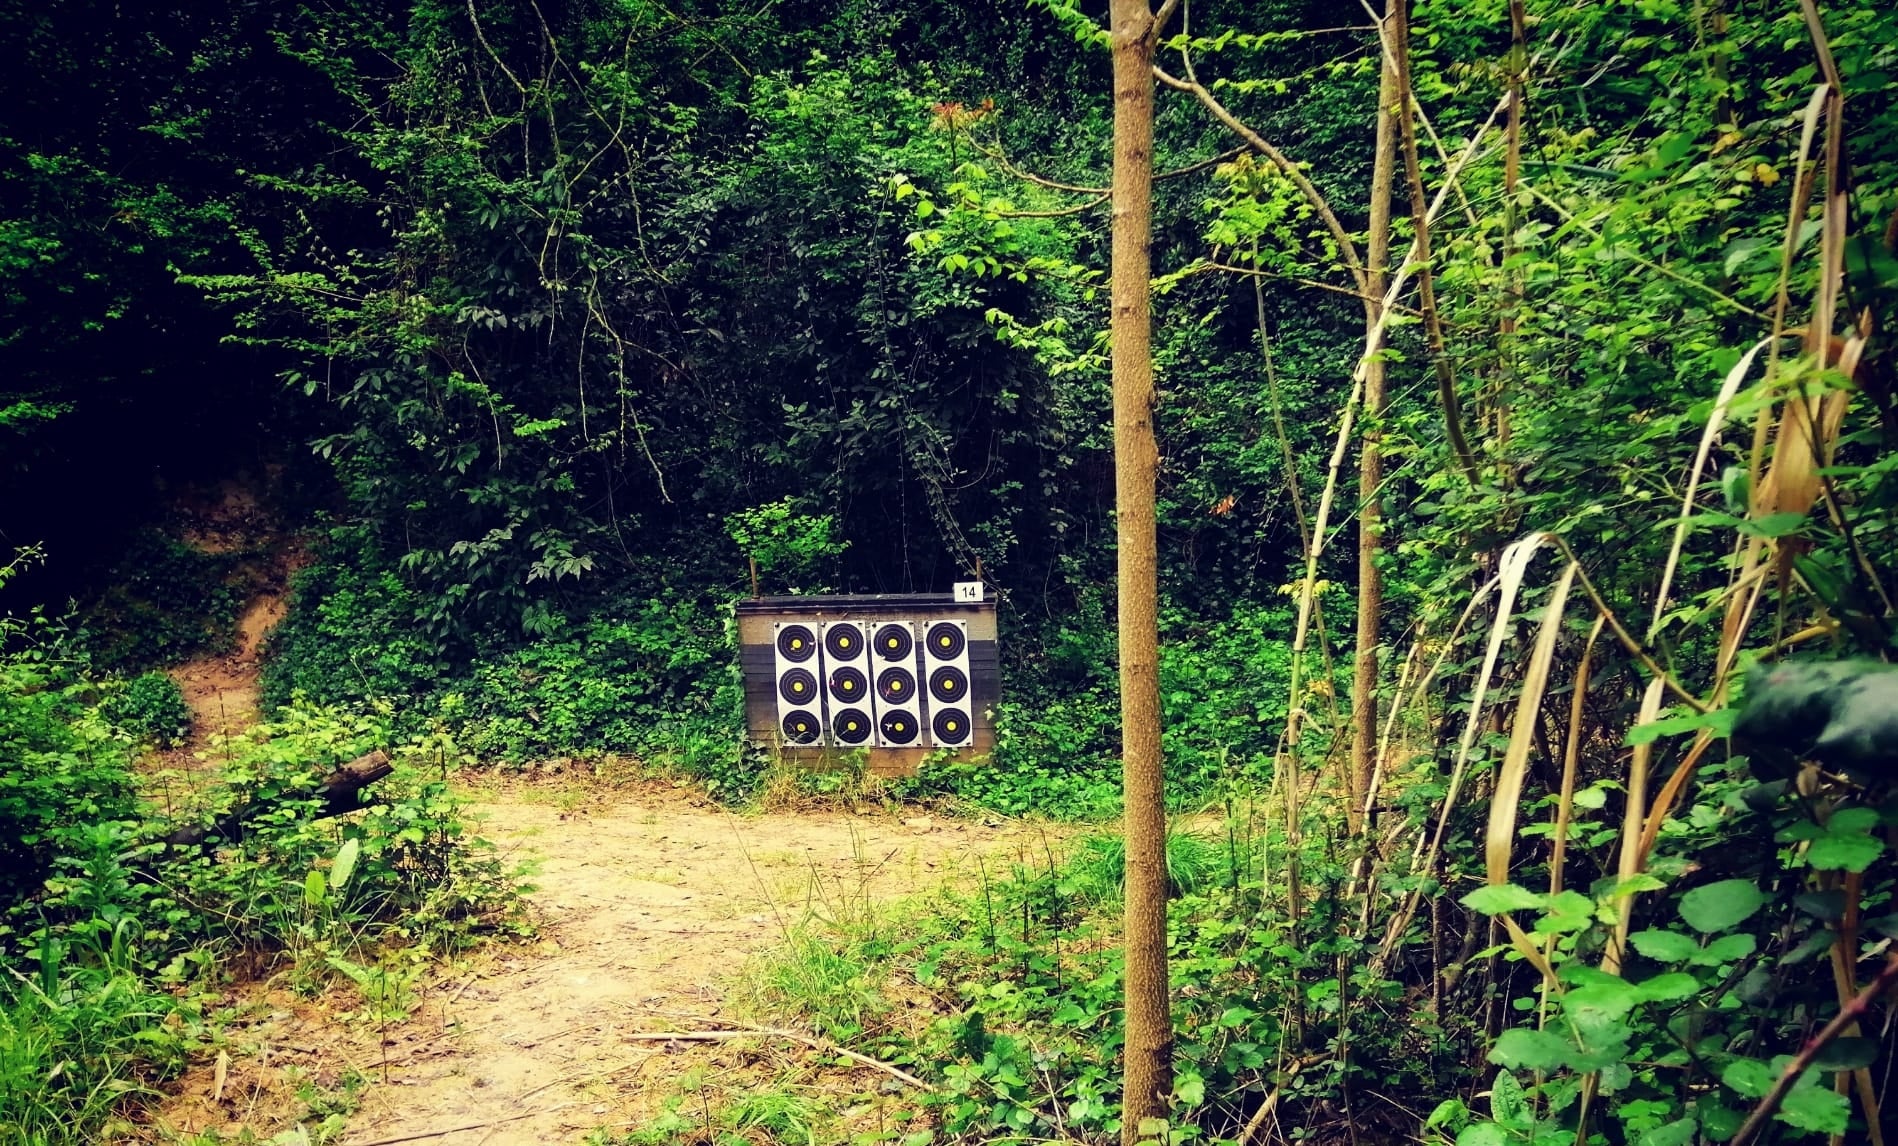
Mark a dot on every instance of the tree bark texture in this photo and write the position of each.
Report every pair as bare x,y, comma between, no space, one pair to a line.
340,792
1149,1030
1371,458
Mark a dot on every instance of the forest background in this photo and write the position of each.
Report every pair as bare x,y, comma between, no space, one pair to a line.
545,318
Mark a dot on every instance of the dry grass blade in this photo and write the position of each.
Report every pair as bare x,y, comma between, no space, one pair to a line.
1514,566
1633,820
1722,402
1499,839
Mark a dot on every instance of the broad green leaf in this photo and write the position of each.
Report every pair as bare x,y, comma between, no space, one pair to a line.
1843,714
1750,1077
1482,1134
1853,820
1670,987
1720,1121
1720,720
1567,911
345,864
1507,1103
1853,1053
313,888
1665,946
1190,1089
1726,949
1676,1133
1719,906
1816,1108
1634,884
1495,899
1450,1110
1525,1049
1848,851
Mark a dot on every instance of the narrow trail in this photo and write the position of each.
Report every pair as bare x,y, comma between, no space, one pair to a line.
221,688
648,909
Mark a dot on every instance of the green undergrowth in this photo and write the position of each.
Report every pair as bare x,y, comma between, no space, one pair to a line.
166,600
1004,996
653,675
114,943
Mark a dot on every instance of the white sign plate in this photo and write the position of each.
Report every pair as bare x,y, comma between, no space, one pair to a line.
968,591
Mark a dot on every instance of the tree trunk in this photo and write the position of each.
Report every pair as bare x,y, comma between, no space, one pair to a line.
339,791
1371,460
1149,1030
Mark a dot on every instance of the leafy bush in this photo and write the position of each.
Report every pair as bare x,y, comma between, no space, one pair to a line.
64,766
166,600
352,632
81,1037
150,708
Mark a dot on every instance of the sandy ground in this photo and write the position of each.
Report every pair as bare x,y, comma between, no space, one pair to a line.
649,907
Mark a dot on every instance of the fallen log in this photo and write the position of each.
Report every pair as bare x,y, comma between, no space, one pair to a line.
340,792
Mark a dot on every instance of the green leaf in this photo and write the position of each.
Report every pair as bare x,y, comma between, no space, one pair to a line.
1482,1134
313,888
1525,1049
345,863
1450,1110
1853,820
1720,1121
1665,946
1749,1077
1854,1053
1816,1108
1843,714
1567,911
1848,851
1670,987
1507,1104
1498,898
1604,1002
1676,1133
1718,906
1190,1089
1726,949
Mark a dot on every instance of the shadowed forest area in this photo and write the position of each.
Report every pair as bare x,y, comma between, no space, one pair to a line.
1433,463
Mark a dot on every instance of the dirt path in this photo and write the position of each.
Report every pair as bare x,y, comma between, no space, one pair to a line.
649,907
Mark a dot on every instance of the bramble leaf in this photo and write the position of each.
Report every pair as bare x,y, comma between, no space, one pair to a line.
1718,906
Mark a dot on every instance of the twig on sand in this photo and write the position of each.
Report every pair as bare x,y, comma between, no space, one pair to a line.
811,1041
447,1130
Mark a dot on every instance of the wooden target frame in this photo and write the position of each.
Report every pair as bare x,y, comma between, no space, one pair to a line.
761,619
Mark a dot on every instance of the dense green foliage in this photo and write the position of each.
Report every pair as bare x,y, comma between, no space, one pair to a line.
584,308
112,939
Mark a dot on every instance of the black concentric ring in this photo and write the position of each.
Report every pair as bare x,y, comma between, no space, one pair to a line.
896,685
848,684
850,725
844,642
948,684
798,686
951,725
945,641
796,643
801,727
898,727
893,642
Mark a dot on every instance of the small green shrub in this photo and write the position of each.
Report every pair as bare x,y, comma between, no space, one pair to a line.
64,766
165,601
151,709
81,1037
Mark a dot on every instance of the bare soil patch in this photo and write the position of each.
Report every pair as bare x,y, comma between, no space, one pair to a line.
649,904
